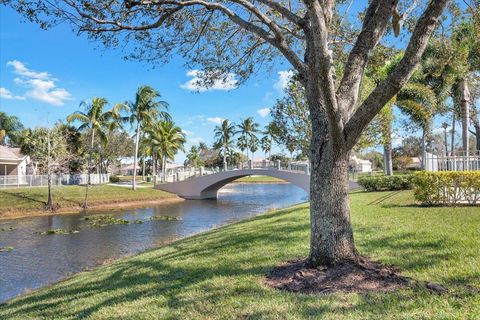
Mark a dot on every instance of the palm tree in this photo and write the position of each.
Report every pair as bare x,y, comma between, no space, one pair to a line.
10,127
253,147
224,135
145,109
97,122
167,139
266,144
242,144
193,157
247,129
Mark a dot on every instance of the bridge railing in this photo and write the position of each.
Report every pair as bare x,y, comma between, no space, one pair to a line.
184,173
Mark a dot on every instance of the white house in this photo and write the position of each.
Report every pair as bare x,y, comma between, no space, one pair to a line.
360,165
13,162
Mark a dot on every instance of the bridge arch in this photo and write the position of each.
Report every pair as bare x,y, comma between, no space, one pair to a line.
206,187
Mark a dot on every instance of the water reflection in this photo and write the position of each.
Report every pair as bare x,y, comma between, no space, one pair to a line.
38,260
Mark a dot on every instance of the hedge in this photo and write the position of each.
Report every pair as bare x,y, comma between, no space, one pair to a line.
114,179
386,183
447,187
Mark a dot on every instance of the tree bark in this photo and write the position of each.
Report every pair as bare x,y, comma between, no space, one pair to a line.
135,157
387,159
452,145
225,157
465,99
331,236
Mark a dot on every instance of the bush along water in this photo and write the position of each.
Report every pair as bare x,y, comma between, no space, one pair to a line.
386,183
447,188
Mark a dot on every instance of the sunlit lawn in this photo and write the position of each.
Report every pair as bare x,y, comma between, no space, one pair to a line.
259,179
218,274
17,199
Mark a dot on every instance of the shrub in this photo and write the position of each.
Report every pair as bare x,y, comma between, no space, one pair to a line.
447,187
386,183
114,179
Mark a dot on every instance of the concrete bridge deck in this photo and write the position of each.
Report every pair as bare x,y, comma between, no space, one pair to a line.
207,186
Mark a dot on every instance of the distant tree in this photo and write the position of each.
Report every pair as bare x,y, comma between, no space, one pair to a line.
193,158
168,139
254,143
10,128
48,148
96,121
146,108
224,134
266,145
248,130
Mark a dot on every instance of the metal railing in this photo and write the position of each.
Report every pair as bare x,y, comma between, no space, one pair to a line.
456,161
184,173
57,180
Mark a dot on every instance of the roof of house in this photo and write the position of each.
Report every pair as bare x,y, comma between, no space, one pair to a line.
11,153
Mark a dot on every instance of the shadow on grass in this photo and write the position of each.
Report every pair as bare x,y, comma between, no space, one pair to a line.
23,196
217,267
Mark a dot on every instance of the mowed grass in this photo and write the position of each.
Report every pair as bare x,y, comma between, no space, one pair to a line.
219,274
26,199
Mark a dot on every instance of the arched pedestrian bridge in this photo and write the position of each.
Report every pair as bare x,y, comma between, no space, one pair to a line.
207,186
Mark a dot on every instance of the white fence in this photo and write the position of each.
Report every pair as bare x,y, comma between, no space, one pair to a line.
458,161
57,180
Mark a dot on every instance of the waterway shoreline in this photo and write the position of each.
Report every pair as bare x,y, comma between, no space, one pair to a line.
97,207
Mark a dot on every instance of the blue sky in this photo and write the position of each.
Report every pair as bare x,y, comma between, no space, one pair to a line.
44,75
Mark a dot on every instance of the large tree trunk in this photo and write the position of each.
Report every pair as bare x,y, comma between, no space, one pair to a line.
465,99
331,238
135,157
387,159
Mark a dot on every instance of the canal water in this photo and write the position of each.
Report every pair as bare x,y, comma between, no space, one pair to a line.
38,260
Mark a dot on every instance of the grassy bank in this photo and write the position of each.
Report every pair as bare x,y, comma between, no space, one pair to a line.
29,201
219,274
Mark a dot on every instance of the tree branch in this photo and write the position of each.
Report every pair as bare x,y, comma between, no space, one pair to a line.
399,75
276,39
376,21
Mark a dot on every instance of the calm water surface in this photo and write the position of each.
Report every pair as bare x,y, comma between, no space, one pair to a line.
38,260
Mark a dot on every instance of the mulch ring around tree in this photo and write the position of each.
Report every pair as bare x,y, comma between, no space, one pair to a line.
362,276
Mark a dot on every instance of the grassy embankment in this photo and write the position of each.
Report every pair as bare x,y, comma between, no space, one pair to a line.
219,274
16,202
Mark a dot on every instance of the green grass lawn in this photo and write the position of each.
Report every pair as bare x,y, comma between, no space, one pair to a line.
259,179
219,274
18,199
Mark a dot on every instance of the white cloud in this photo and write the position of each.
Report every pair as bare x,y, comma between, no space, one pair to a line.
263,112
283,79
227,82
216,120
187,132
40,86
20,69
6,94
195,140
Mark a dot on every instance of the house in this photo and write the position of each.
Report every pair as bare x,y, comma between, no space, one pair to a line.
13,162
415,164
360,165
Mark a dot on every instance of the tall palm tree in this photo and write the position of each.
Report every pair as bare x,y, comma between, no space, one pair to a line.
145,109
247,129
266,145
10,127
97,122
253,147
193,157
167,139
224,135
